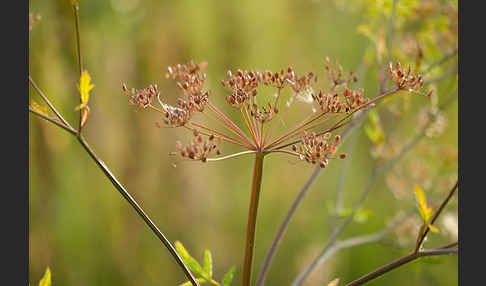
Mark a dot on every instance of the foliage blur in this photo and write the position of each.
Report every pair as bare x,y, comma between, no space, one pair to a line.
87,234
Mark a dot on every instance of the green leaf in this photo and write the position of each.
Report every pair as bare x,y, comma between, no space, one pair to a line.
228,277
191,263
46,280
208,263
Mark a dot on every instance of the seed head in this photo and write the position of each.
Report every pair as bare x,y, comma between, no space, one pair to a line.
199,148
314,148
404,80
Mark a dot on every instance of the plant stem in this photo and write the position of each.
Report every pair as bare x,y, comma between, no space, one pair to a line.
46,100
117,185
78,48
252,216
399,262
137,208
53,120
268,258
367,188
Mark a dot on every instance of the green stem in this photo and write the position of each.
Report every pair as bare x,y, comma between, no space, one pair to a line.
252,215
78,38
137,208
78,49
123,192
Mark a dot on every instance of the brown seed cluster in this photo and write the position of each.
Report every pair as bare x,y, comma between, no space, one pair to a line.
190,81
407,81
334,103
244,86
199,149
263,114
317,149
141,97
173,116
245,83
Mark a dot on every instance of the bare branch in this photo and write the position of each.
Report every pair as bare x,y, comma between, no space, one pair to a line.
51,106
399,262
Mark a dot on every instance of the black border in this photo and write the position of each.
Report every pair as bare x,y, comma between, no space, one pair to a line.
15,141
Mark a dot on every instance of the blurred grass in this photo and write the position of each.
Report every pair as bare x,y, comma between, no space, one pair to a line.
83,230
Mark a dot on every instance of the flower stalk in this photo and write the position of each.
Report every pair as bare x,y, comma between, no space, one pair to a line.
252,216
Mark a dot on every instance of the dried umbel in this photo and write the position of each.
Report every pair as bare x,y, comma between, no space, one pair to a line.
190,82
406,81
142,97
333,103
199,148
261,117
318,149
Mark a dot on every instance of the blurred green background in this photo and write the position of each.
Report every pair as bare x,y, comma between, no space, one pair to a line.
88,235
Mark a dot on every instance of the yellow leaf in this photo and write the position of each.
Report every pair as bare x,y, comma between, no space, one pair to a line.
422,203
84,88
38,108
424,210
334,282
433,228
46,280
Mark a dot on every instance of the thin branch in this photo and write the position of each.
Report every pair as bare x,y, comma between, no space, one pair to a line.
137,208
343,121
291,211
296,129
399,262
223,125
248,123
122,191
420,240
78,39
230,156
223,135
229,122
450,245
53,120
75,4
355,241
51,106
357,205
